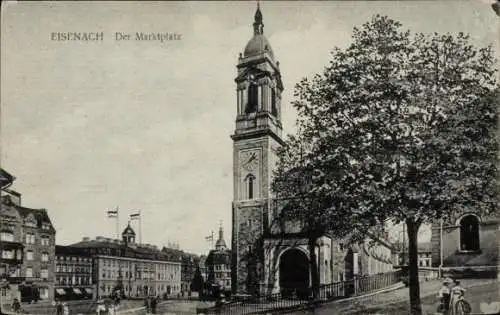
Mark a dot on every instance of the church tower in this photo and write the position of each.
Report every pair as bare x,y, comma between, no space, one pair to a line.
257,136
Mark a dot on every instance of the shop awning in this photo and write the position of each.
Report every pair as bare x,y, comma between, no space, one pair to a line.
60,291
88,290
77,291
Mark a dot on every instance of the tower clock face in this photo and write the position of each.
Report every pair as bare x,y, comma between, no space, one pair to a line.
249,160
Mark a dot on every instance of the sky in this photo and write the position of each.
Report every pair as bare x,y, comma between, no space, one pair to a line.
142,125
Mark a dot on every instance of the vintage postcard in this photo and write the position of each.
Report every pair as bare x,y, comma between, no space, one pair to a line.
249,157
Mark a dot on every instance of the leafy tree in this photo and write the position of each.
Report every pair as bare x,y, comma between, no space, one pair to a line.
398,126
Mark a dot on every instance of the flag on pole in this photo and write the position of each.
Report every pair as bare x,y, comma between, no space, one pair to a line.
209,238
113,213
135,216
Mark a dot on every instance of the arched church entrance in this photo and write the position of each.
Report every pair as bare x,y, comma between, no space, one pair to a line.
294,273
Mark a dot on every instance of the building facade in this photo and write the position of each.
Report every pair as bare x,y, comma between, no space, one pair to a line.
135,270
31,231
11,246
466,240
218,265
74,278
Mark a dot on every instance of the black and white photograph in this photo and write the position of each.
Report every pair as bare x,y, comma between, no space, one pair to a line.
250,157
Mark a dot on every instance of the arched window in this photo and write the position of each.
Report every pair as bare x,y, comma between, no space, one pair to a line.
274,108
250,182
253,96
469,233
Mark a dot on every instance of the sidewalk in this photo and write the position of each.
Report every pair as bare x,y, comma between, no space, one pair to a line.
397,301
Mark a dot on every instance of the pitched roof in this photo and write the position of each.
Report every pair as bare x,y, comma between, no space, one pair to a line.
41,215
219,257
120,249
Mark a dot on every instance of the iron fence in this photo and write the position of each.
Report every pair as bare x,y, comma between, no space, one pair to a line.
294,299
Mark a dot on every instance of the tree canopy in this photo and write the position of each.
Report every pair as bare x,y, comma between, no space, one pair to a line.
398,126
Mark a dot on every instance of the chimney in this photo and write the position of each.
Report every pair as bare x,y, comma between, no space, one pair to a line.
85,239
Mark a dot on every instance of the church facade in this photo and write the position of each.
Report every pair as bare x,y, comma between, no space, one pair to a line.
267,256
466,240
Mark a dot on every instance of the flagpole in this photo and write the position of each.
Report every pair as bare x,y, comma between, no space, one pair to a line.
117,223
140,227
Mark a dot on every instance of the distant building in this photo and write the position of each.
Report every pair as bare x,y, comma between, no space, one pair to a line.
424,254
74,278
137,270
218,264
28,244
203,267
373,256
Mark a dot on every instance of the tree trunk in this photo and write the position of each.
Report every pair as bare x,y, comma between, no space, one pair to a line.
313,267
415,304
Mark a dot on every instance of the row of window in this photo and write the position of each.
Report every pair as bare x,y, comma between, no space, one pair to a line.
74,280
222,267
222,275
424,262
253,100
44,273
74,259
150,275
30,256
141,290
138,266
71,268
30,238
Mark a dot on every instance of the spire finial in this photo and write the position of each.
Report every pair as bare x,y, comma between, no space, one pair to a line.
258,26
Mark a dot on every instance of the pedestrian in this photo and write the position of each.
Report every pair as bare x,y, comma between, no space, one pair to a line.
16,305
65,309
444,295
147,304
154,302
456,295
100,307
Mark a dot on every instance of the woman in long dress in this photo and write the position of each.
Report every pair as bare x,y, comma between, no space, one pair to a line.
456,296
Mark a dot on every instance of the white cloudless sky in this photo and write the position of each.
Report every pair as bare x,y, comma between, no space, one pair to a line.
88,126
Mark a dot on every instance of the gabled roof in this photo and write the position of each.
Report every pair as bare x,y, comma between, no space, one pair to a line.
40,215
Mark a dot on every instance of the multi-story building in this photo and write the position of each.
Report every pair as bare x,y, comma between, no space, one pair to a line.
136,270
11,247
218,264
31,231
190,262
74,278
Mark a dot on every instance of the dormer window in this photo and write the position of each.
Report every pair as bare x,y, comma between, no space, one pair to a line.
30,224
46,226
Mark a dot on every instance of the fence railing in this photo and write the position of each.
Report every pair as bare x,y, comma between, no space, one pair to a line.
297,298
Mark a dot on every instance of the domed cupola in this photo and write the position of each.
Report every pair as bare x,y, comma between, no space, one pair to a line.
258,44
128,235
